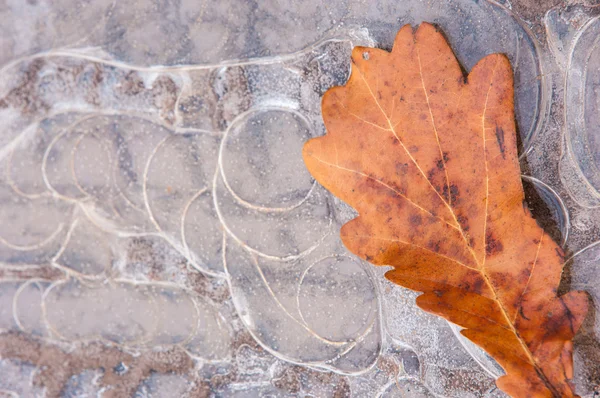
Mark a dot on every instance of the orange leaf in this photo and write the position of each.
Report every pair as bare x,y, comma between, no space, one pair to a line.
429,160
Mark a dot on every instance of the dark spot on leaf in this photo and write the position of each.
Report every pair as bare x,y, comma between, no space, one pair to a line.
525,274
444,192
463,221
501,279
492,245
453,193
523,314
478,286
431,174
500,138
434,245
415,220
401,168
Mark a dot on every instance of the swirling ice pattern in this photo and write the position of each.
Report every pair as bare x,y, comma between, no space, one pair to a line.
207,159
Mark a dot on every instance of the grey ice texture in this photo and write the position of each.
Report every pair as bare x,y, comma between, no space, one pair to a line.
153,193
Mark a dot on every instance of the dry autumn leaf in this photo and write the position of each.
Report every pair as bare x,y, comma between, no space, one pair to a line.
429,160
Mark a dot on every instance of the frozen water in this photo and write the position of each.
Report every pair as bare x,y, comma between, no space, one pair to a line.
160,236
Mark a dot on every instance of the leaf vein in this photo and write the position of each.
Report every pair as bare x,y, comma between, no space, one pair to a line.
437,137
386,186
412,244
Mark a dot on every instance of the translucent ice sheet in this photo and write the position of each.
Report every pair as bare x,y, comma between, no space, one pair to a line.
160,235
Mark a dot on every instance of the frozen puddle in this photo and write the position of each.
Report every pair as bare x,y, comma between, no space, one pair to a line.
160,235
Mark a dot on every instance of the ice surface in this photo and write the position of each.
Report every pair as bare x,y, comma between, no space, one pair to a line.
160,235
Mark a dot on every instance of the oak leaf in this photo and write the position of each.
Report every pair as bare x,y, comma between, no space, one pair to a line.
428,158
